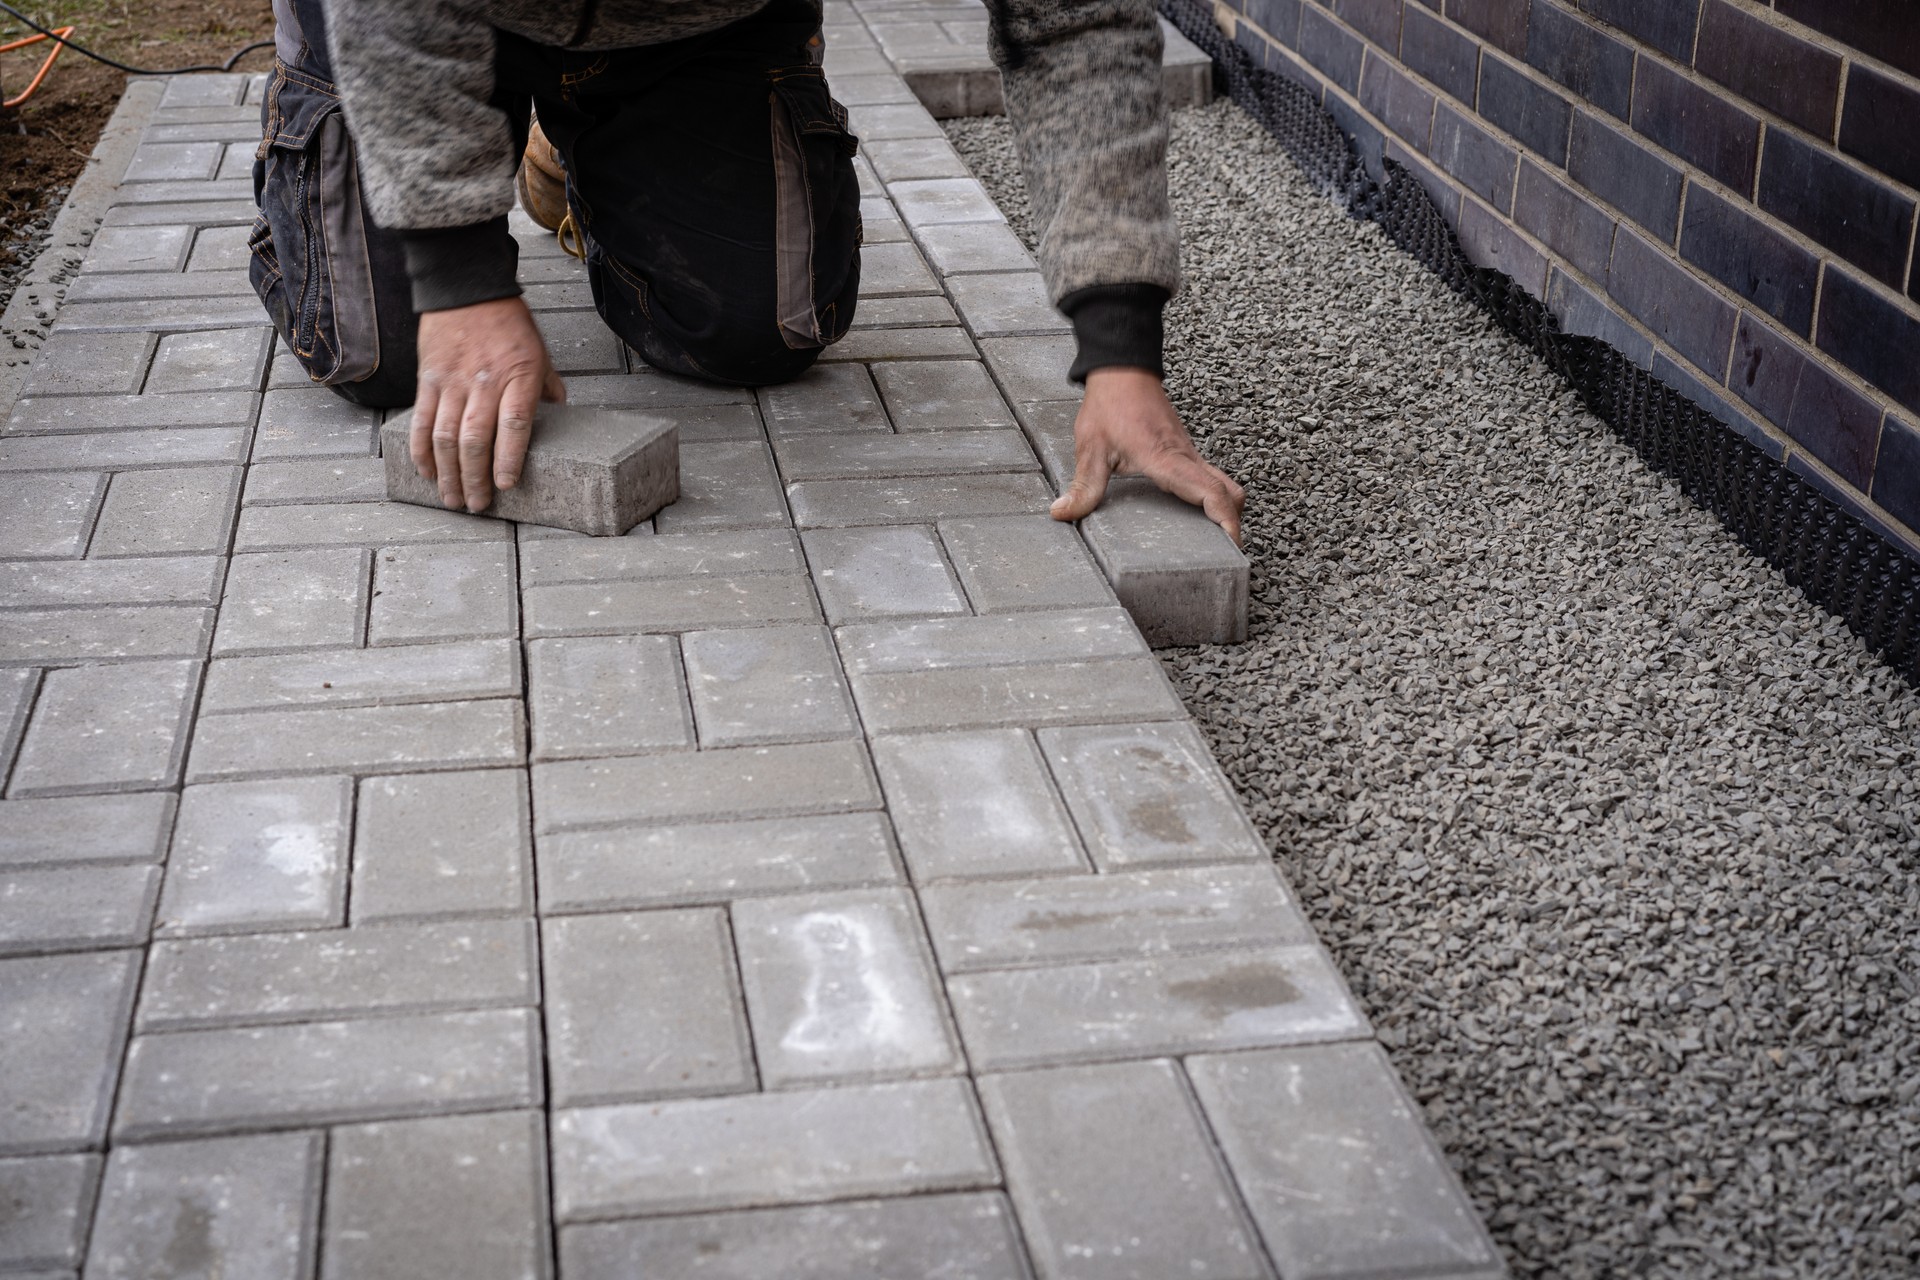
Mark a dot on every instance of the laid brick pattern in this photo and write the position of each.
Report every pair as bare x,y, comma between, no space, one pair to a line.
774,890
1726,190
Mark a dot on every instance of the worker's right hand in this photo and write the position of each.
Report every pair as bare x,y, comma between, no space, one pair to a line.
483,368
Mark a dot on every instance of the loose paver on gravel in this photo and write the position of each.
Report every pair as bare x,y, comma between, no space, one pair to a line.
825,871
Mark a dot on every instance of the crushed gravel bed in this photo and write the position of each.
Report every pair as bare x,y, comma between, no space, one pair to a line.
1613,834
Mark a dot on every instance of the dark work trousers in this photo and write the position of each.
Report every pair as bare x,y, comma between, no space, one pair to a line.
711,179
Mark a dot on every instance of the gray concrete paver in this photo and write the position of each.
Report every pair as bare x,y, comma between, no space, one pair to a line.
941,395
452,672
841,986
283,600
84,829
826,398
791,1147
975,804
448,1196
63,415
1146,794
63,1023
443,593
211,360
250,980
121,727
1145,1008
881,572
46,1203
1115,1175
75,908
690,863
188,1083
1023,562
361,740
49,516
219,1207
607,695
643,1005
1333,1117
1067,919
187,509
841,503
767,684
728,782
667,604
259,855
963,1236
442,844
149,580
58,636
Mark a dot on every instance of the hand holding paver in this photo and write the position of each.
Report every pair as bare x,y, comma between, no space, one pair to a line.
1127,426
483,368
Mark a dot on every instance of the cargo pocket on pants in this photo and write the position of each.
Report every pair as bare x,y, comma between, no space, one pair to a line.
816,210
310,260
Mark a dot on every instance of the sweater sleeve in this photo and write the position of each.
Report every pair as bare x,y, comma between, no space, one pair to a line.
436,156
1083,91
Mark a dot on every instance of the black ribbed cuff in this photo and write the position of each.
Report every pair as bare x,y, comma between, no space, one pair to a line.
1117,324
459,266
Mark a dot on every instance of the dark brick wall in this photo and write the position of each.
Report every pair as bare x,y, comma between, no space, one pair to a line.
1726,190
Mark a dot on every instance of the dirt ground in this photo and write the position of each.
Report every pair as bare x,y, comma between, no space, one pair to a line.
45,141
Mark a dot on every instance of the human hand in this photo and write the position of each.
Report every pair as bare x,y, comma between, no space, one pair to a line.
1127,426
482,370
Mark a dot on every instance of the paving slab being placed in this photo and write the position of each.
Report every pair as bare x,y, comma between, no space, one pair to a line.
599,471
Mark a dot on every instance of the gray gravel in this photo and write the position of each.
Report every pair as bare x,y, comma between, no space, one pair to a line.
1611,831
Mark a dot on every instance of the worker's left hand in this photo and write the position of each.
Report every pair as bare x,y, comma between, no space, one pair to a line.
482,370
1127,426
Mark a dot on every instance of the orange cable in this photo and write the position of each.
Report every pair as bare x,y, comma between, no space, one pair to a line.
61,33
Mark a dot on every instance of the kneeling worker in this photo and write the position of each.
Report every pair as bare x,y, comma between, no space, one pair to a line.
691,150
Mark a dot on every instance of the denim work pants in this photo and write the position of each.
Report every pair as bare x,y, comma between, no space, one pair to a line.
711,179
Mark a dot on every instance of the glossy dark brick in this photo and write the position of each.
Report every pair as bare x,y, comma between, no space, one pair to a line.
1835,423
1870,335
1397,100
1667,25
1377,20
1582,311
1482,163
1577,53
1845,208
1278,18
1490,241
1896,475
1443,54
1540,117
1257,45
1696,124
1769,66
1332,48
1566,220
1440,189
1881,122
1766,369
1366,135
1885,28
1728,242
1502,23
1670,300
1625,173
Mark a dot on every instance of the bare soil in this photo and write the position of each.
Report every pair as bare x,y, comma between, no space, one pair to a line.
44,143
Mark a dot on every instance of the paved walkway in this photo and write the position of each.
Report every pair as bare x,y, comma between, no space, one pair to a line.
823,881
